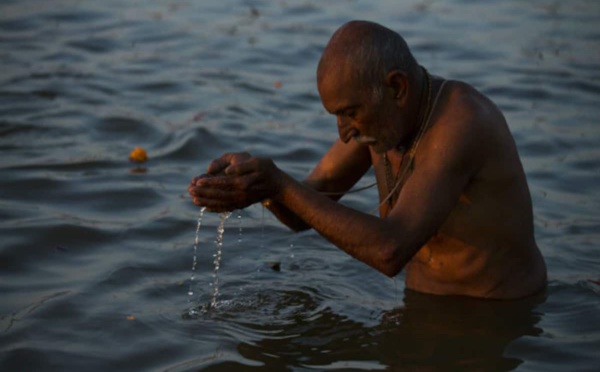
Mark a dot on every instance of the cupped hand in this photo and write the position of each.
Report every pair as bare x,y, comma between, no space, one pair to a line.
235,181
222,164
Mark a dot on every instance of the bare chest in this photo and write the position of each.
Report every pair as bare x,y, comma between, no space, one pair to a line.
391,171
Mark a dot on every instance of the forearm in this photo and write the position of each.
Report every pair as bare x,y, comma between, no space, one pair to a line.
285,216
365,237
339,169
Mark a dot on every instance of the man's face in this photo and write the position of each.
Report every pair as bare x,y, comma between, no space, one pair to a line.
361,115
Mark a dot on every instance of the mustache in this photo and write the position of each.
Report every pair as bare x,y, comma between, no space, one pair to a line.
365,140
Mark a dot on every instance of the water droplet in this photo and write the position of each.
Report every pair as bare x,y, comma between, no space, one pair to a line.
239,217
220,231
195,260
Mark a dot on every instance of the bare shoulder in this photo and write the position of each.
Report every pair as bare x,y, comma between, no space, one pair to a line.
459,128
465,105
469,125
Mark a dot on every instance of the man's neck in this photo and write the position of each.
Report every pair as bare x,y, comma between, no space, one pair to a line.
418,106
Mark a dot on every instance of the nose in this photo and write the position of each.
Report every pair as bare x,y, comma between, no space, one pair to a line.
345,129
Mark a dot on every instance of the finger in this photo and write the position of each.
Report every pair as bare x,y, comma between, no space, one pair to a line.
191,187
230,191
207,203
195,180
213,205
218,165
223,187
243,168
216,182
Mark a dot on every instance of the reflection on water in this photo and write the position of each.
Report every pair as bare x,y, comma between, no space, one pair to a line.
295,329
457,333
95,258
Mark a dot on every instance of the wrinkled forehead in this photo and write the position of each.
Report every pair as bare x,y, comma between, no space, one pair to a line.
328,65
338,88
335,74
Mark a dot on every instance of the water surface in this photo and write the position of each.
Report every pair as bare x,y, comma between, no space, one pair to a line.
95,254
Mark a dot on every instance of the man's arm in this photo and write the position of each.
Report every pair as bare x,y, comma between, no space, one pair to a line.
337,171
450,154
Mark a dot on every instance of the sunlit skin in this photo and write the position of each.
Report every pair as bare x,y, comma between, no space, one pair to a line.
462,223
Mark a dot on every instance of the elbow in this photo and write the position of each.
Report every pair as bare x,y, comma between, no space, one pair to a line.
391,270
391,261
299,228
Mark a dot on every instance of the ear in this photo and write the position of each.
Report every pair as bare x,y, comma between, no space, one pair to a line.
398,84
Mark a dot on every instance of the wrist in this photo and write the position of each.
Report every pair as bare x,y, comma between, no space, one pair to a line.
283,181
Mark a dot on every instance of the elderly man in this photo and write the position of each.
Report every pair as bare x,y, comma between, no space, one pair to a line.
455,209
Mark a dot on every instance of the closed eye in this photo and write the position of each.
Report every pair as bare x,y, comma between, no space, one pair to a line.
350,112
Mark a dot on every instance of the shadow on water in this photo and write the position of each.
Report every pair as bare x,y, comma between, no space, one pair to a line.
426,333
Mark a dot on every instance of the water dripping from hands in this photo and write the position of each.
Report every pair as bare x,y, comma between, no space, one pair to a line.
193,311
217,261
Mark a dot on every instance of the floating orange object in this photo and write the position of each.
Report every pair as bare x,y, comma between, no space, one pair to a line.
130,317
138,155
277,84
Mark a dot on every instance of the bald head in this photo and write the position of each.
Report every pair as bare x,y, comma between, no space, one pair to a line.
368,51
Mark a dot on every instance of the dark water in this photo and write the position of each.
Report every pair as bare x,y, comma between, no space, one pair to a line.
95,256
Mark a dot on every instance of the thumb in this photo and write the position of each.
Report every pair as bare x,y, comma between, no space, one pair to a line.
219,165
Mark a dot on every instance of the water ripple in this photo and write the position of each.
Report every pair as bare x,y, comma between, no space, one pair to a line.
96,252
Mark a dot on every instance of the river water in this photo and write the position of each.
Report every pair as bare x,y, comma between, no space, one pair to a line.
95,253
